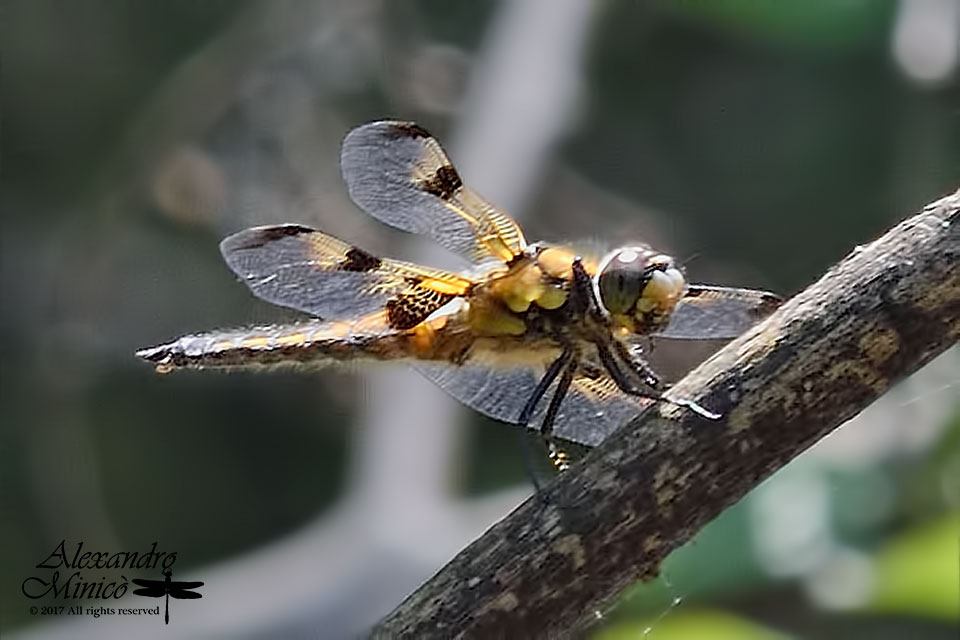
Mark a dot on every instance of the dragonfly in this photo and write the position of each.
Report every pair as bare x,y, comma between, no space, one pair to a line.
537,334
167,588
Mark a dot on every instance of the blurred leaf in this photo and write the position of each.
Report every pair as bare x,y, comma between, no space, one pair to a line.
453,22
691,625
935,485
917,572
816,24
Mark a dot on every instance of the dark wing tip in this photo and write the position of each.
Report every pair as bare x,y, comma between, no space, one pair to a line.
259,236
165,356
766,301
359,261
364,134
769,302
153,354
407,129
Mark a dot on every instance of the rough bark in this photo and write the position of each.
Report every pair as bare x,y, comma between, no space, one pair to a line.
830,351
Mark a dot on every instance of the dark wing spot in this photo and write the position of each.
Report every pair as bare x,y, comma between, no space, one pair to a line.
409,130
771,302
521,256
252,238
768,302
444,183
589,371
359,260
409,309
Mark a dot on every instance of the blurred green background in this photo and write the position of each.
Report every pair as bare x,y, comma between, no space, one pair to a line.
759,142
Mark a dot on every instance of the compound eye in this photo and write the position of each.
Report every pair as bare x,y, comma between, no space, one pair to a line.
621,280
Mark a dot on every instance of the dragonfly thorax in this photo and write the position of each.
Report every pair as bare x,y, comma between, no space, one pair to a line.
639,287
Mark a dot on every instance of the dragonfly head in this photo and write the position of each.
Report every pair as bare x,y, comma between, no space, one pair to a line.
639,288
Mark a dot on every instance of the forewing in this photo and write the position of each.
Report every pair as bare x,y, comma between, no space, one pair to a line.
592,409
711,313
295,266
181,593
399,174
186,585
153,584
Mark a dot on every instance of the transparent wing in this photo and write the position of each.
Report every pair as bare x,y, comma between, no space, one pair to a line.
186,585
150,584
298,267
591,411
709,313
186,595
399,174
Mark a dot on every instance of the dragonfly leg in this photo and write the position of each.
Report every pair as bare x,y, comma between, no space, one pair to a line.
558,365
528,460
552,372
619,375
626,385
559,457
583,299
638,365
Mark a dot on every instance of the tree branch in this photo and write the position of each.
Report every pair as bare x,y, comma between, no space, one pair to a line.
873,319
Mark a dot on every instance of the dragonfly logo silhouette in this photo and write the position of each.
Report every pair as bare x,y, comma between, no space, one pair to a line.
167,588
